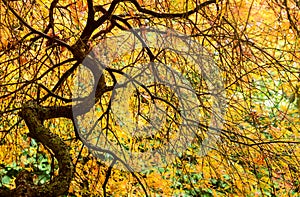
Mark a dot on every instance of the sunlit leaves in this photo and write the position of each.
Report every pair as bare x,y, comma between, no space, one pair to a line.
254,43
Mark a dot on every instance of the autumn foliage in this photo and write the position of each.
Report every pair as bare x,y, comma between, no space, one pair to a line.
255,46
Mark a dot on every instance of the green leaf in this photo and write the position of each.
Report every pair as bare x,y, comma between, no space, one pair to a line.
5,180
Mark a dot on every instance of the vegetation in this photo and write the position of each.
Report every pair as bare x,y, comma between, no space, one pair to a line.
61,136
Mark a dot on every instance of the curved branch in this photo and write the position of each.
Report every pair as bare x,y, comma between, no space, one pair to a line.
169,15
62,43
31,113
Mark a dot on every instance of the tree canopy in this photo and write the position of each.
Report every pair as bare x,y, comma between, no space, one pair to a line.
149,98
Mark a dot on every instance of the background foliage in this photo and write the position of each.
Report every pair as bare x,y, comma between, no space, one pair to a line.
255,44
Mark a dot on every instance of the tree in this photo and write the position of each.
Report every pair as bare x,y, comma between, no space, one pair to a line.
47,58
